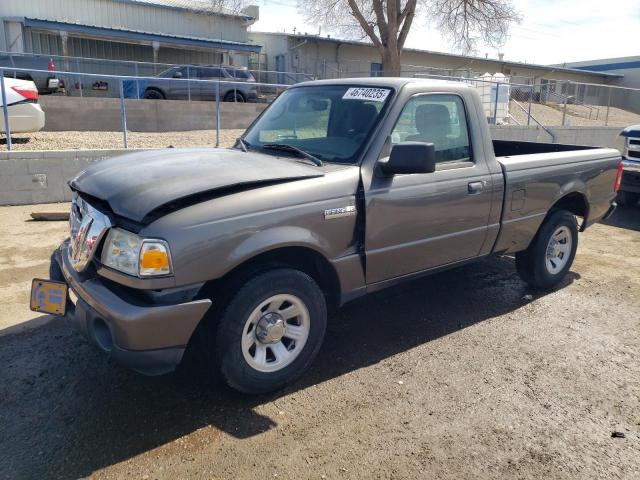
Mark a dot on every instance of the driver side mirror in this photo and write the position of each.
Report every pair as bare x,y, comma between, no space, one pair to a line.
177,75
410,157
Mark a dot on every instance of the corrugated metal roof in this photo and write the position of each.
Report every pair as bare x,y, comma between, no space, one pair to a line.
141,36
198,6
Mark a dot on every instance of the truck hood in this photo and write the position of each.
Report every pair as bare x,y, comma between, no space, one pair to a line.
144,185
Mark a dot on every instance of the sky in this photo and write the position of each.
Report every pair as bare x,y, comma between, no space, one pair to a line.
551,32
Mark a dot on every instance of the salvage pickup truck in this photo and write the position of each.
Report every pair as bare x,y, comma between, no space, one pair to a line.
338,189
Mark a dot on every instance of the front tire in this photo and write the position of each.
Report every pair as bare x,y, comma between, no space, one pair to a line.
550,255
271,331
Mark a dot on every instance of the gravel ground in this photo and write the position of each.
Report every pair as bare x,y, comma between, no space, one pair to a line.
466,374
114,140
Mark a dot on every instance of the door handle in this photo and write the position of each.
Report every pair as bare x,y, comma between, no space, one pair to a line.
475,187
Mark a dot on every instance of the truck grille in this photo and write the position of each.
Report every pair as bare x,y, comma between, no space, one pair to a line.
87,227
633,147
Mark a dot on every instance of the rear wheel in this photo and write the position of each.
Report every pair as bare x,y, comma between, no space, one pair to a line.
234,97
270,331
153,94
550,255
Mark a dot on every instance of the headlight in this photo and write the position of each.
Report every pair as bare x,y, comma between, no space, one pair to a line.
141,257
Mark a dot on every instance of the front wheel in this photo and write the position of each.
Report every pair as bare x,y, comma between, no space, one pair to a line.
550,255
271,331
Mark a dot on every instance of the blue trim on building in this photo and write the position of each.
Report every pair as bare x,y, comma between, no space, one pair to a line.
605,67
117,34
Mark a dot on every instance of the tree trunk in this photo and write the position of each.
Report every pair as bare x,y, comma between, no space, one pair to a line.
391,63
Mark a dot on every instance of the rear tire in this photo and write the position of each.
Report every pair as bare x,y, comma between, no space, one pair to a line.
153,94
271,331
234,97
550,255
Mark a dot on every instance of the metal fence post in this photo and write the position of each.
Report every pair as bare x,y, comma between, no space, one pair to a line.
530,101
606,119
189,82
79,77
495,107
135,66
5,110
564,110
123,115
218,114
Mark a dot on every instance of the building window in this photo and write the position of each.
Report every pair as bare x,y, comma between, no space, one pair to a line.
376,69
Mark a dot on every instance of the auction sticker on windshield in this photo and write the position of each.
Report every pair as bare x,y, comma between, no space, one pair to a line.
373,94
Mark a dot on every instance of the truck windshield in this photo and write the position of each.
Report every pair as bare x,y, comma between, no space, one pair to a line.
331,123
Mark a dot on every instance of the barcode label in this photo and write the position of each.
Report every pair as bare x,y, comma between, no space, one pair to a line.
373,94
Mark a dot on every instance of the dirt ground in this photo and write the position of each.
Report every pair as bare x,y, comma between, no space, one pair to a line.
577,115
466,374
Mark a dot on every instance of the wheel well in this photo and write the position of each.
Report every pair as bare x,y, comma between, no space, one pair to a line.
304,259
575,203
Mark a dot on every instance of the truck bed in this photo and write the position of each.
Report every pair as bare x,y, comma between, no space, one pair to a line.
538,175
509,148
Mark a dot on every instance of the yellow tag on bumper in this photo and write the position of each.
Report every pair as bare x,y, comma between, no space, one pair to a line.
48,296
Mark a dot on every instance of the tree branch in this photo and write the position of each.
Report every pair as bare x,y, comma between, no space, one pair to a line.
366,26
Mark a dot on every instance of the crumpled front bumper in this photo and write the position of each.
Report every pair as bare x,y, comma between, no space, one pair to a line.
149,338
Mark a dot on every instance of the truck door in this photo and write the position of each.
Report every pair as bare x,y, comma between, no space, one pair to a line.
421,221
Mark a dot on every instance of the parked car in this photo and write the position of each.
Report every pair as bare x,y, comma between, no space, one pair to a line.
235,84
629,193
45,82
338,189
25,114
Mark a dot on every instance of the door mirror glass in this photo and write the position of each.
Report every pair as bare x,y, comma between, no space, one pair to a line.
177,74
410,157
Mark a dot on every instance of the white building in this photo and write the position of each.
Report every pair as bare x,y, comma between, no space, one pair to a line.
326,57
166,31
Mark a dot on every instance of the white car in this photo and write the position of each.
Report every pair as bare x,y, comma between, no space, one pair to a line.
25,115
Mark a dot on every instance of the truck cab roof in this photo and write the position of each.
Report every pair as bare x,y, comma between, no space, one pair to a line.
386,82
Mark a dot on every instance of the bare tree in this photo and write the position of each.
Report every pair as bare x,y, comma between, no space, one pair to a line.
234,6
386,23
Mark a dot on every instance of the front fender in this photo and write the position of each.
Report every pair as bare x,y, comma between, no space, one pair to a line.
274,238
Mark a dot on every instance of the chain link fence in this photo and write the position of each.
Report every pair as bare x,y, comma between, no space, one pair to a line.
506,101
23,65
551,103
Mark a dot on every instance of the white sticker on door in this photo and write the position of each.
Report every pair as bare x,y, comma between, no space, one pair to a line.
372,94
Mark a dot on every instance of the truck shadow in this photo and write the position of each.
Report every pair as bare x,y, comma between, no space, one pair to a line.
625,217
68,411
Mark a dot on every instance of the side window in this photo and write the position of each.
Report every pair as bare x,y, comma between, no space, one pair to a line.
439,119
208,72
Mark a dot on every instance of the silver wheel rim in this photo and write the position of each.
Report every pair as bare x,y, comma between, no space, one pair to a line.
558,250
275,333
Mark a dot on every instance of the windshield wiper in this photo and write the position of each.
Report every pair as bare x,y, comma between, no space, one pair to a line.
290,148
242,143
